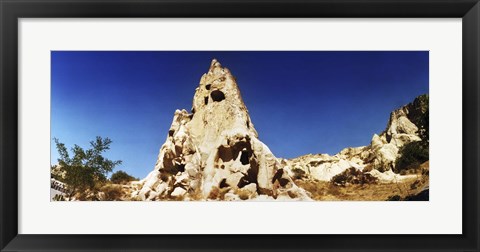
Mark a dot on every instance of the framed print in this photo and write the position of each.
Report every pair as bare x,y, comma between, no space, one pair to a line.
225,125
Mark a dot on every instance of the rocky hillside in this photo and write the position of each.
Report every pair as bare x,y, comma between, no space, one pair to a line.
213,152
406,125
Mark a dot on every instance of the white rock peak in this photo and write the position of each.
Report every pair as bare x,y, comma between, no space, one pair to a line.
213,153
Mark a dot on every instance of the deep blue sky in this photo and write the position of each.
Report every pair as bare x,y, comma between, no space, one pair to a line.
299,102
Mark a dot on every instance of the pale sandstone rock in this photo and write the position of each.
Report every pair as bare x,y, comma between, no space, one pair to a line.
178,192
247,192
230,196
389,176
381,154
214,151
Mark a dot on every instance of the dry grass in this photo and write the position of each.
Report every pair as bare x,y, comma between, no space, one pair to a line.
112,192
326,191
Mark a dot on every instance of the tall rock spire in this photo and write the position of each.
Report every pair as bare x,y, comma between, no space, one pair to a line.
214,151
218,107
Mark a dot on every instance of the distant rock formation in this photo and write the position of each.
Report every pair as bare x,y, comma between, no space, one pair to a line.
213,153
407,124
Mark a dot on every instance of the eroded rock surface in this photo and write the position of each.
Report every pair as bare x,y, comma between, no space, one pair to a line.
213,152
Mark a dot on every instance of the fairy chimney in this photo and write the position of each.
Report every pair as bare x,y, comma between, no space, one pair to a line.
213,152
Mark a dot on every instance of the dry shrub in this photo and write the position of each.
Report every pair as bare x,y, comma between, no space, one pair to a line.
195,194
218,193
353,176
121,177
243,195
298,173
214,193
368,168
111,192
87,195
292,195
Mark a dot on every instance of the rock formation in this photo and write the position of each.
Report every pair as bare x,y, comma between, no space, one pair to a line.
213,153
406,124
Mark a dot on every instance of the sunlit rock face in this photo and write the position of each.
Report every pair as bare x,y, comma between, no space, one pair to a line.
213,152
404,126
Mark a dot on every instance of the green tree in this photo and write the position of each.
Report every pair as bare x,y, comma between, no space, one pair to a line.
412,155
86,167
121,177
415,153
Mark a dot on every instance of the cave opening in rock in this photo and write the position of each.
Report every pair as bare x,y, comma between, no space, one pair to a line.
244,157
168,161
208,86
206,100
217,95
224,183
163,176
178,150
278,176
227,153
283,182
388,137
180,167
252,174
243,182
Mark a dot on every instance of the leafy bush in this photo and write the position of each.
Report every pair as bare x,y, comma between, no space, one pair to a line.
353,176
85,168
411,156
415,153
121,177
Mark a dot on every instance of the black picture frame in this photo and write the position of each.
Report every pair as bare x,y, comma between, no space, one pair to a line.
12,10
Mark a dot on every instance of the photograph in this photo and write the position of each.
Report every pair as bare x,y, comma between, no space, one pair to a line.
239,126
251,125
